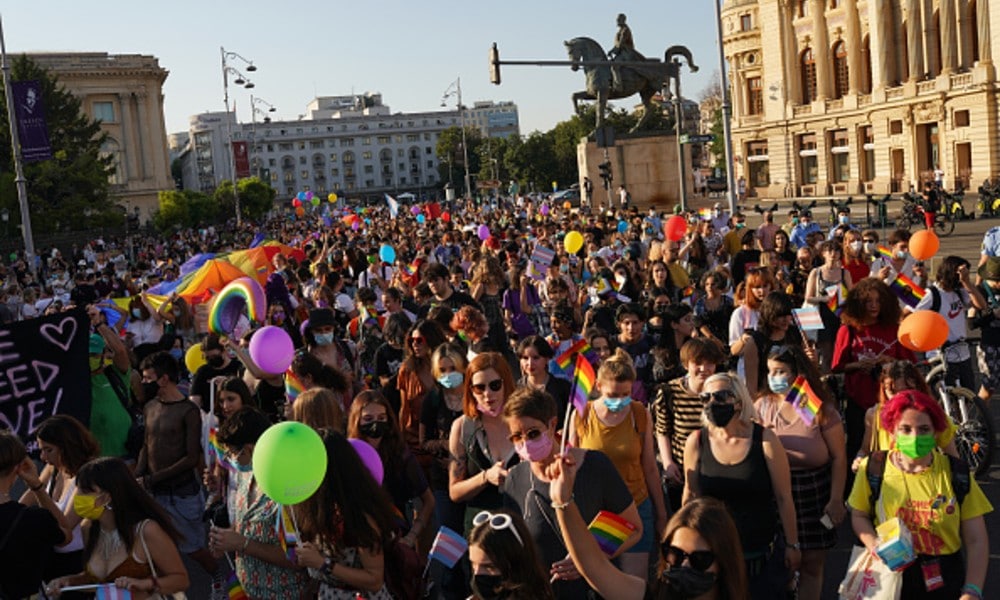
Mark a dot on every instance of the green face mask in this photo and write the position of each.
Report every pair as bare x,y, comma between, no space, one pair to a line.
915,446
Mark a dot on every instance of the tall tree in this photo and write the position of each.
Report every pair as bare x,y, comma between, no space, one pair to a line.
451,158
256,198
72,183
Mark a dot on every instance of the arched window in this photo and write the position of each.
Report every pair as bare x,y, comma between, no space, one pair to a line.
841,81
808,67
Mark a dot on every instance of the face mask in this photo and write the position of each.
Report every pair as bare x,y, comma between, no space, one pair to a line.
150,389
95,363
451,380
720,413
617,404
740,225
177,353
534,450
795,220
85,505
805,223
900,255
487,587
716,213
374,430
687,582
214,361
136,313
488,412
240,467
779,384
564,268
278,318
856,246
844,220
871,247
323,339
915,446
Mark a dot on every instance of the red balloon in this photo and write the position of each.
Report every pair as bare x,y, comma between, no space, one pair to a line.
923,330
446,217
675,228
296,203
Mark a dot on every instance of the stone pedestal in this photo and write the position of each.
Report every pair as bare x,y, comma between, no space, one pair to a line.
645,163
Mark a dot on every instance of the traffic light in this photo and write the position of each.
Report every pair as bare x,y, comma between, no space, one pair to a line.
605,169
494,64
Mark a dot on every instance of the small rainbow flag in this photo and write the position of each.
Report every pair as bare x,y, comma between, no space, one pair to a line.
705,214
610,531
287,536
409,269
235,588
219,451
293,386
884,252
907,290
565,359
687,294
838,294
804,400
583,383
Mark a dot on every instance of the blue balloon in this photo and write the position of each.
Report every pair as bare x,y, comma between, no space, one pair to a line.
421,218
302,196
387,253
622,226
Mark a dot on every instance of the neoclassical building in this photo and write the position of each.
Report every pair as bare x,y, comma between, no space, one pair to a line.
845,97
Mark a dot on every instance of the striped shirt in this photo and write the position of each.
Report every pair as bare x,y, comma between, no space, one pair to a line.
677,412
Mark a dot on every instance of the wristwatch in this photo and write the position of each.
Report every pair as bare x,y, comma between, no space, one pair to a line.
328,565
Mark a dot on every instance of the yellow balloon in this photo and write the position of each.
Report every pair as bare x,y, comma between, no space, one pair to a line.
573,242
332,198
194,358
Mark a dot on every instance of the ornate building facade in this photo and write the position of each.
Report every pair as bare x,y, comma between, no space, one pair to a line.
846,97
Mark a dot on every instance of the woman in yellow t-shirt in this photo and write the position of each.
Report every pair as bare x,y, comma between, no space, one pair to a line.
917,488
896,377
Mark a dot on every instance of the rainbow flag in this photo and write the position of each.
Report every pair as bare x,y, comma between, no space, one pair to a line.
884,252
565,359
687,294
907,290
583,382
409,269
705,214
287,536
838,294
219,451
293,387
235,588
610,531
804,400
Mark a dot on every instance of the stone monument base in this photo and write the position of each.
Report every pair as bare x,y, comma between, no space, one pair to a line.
646,163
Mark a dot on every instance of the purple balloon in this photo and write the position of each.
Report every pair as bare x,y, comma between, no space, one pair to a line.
544,210
272,349
484,232
309,195
415,210
356,225
369,457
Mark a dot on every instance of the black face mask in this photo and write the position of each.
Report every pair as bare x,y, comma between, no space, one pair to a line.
487,587
720,413
686,582
374,430
214,361
150,389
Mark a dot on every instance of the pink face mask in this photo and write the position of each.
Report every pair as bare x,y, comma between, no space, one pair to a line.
489,412
534,450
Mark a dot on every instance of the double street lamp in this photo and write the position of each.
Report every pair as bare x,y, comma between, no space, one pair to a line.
254,111
239,79
455,89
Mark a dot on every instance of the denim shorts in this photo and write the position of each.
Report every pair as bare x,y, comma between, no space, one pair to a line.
645,543
186,513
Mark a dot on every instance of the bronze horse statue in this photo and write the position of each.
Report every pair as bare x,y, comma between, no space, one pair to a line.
645,81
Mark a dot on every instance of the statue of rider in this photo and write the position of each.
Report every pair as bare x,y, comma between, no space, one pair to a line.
623,49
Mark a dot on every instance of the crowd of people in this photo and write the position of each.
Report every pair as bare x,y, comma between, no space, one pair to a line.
456,362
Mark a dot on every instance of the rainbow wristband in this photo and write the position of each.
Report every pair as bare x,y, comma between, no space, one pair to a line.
973,589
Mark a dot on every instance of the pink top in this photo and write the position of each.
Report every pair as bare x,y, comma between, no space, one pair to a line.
804,444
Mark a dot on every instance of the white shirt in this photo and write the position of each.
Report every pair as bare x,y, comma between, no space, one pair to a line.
953,305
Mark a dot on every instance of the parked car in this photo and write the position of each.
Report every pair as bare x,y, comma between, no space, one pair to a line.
716,184
571,195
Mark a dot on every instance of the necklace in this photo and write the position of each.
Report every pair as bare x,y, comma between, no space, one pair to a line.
109,543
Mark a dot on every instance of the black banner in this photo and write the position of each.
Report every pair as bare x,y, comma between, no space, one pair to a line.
44,371
32,130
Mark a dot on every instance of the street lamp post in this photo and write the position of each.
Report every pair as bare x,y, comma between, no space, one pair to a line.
239,80
254,111
726,112
457,92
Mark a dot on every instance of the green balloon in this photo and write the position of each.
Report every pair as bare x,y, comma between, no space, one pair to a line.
289,462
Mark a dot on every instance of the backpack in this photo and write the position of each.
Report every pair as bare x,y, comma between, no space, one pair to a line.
961,479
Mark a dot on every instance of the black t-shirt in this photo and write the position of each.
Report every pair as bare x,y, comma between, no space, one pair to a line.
455,301
437,419
205,374
270,400
25,554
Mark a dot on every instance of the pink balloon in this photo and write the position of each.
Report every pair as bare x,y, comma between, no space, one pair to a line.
484,232
272,349
369,457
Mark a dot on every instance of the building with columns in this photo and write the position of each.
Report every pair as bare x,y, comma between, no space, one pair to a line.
125,93
846,97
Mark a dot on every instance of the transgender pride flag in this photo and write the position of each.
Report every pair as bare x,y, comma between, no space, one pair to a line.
112,592
448,547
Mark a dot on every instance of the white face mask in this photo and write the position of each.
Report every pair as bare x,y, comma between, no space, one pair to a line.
856,246
871,247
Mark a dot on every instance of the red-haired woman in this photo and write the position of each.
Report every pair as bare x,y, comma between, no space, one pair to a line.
757,285
866,341
919,486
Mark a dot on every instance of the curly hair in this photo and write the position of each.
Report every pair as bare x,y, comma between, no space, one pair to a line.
856,315
469,320
916,400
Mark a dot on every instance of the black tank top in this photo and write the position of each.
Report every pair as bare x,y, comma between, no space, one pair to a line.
745,488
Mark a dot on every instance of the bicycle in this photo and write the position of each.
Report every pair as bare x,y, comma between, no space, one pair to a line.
973,423
913,212
988,204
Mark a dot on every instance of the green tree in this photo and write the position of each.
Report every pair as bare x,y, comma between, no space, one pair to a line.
174,210
450,155
72,183
256,198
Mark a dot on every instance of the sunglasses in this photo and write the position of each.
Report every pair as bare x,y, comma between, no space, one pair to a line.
530,435
495,386
718,396
417,340
499,522
700,560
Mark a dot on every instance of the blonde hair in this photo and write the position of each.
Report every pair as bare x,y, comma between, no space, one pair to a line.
318,408
739,389
452,353
617,367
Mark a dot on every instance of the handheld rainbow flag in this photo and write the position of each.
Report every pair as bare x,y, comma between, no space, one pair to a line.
583,383
448,547
884,252
705,214
293,387
687,294
287,536
409,269
907,290
610,531
837,294
235,588
219,451
804,400
565,359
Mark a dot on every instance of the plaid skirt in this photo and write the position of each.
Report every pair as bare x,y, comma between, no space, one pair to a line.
810,493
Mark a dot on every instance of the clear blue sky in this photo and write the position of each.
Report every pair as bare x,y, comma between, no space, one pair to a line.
409,51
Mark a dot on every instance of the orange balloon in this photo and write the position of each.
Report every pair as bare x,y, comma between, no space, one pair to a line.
567,205
300,211
924,244
923,330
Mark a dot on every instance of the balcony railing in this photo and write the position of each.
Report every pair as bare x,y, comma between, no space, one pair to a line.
802,109
864,99
926,87
961,80
835,104
894,93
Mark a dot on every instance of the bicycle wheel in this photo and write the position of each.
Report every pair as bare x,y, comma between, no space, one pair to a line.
943,226
974,436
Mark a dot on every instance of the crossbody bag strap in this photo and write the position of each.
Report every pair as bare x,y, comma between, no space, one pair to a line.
145,548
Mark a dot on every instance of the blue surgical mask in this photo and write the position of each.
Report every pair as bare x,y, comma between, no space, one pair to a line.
451,380
778,383
323,339
844,220
617,404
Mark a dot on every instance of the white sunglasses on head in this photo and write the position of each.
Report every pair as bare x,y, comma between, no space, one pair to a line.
497,522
